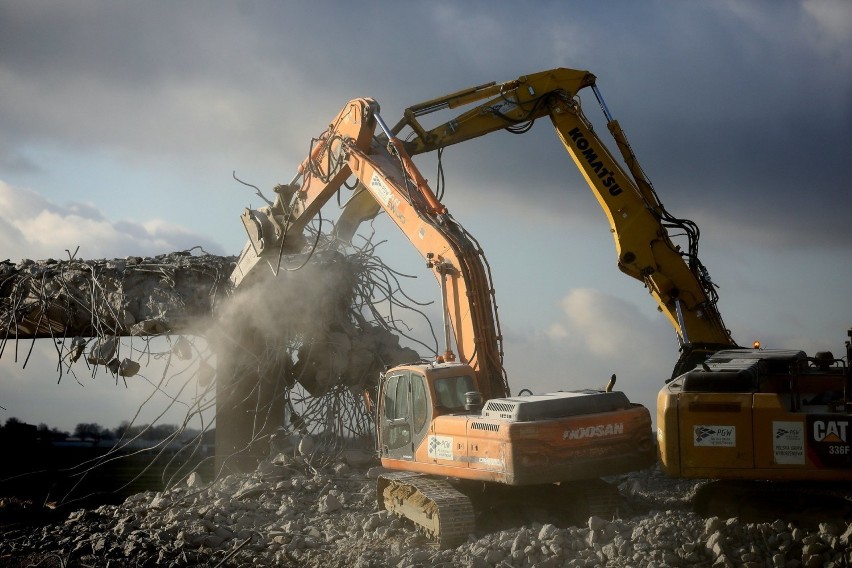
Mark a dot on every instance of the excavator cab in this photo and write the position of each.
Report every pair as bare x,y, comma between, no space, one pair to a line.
411,396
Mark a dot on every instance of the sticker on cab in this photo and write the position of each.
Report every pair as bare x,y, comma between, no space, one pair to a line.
705,435
788,442
441,447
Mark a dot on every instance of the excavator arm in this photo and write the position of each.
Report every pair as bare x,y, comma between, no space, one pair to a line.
387,177
278,229
675,278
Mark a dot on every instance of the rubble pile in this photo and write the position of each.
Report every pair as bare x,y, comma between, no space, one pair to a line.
288,513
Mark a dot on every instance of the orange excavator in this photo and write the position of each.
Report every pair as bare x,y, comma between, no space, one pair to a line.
449,428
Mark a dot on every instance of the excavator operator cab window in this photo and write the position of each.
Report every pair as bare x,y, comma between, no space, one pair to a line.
419,403
450,391
396,422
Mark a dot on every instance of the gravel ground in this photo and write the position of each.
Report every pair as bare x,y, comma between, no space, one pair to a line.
287,513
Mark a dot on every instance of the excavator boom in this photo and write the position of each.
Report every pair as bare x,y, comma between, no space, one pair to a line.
384,170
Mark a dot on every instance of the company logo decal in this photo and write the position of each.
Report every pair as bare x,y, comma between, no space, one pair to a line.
714,436
829,441
598,431
788,442
830,431
380,189
441,447
384,194
493,462
504,107
594,162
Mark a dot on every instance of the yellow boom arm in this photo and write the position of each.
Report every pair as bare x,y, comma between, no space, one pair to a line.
676,279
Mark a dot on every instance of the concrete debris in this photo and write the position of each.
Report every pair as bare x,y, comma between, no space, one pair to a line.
120,297
78,345
288,514
103,350
182,348
313,328
128,368
353,356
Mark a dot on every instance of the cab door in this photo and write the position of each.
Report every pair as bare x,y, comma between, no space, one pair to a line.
396,419
406,412
421,412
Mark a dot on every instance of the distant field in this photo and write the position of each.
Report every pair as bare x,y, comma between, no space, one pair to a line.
87,476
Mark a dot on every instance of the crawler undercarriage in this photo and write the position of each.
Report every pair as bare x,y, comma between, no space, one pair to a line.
448,510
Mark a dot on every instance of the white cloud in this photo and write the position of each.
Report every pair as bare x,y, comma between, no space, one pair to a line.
834,17
556,332
593,335
610,327
32,226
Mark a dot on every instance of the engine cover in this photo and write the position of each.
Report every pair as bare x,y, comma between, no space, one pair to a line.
555,405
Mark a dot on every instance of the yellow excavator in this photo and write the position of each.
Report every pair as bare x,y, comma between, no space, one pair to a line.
450,427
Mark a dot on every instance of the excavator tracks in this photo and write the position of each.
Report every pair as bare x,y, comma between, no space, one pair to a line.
437,508
601,499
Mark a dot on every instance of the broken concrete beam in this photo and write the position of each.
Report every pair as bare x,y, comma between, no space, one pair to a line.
168,293
305,325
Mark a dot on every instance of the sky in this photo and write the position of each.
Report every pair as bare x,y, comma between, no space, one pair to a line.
122,124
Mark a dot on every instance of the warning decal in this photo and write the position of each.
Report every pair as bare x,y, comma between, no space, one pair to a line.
788,442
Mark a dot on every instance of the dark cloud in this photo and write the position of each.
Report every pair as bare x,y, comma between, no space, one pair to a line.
739,112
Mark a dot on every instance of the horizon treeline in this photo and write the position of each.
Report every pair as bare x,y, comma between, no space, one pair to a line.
92,430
